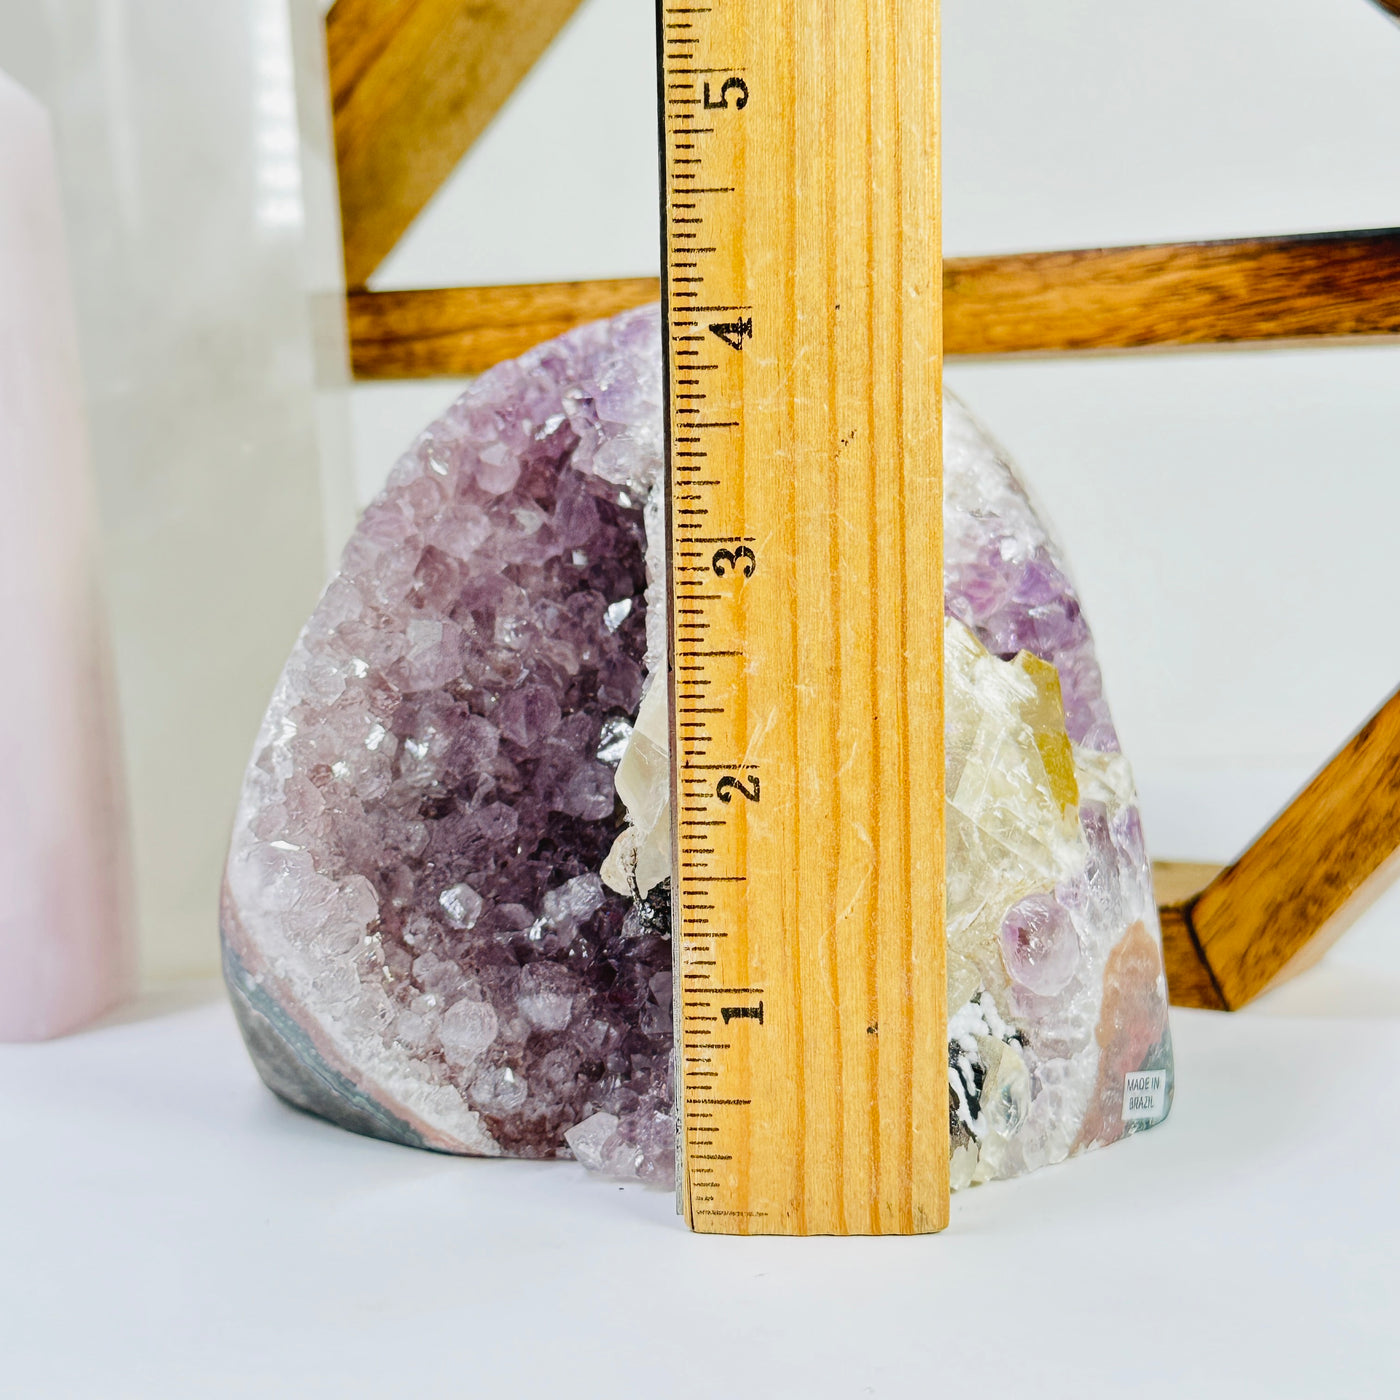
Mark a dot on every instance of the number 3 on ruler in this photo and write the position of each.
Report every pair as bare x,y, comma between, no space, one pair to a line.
730,85
729,785
736,558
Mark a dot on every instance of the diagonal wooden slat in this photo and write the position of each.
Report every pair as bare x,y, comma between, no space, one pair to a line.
413,84
1280,906
1312,287
1391,6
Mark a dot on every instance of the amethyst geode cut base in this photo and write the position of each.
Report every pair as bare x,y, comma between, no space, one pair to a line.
417,939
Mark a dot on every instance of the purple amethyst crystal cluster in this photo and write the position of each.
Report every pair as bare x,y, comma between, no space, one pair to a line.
417,939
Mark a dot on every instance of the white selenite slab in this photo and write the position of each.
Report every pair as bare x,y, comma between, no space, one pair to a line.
205,263
65,948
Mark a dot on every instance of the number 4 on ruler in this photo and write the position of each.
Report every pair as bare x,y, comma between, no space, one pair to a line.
733,333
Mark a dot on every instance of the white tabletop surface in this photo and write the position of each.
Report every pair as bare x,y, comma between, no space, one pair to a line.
169,1229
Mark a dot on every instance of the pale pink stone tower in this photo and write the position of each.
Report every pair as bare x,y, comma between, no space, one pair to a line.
65,936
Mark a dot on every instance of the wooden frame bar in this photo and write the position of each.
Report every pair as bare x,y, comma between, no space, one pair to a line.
1176,294
1308,288
465,330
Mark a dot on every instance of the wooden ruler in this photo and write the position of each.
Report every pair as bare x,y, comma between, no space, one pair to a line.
802,287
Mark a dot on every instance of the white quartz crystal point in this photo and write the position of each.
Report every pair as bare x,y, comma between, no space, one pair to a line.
589,1141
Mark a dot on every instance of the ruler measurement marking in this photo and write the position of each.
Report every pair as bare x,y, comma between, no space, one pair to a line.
805,118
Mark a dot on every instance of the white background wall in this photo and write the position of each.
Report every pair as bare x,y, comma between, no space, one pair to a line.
1230,516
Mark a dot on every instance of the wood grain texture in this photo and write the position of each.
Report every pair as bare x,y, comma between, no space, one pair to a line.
1189,979
803,322
1335,285
1176,294
413,84
465,330
1278,907
1230,933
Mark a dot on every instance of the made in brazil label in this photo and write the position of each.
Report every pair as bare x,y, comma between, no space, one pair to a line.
1144,1096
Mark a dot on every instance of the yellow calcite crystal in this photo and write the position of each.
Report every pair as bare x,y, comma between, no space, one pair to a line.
1013,798
640,858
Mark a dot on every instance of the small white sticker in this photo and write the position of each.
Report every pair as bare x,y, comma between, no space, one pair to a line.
1144,1096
